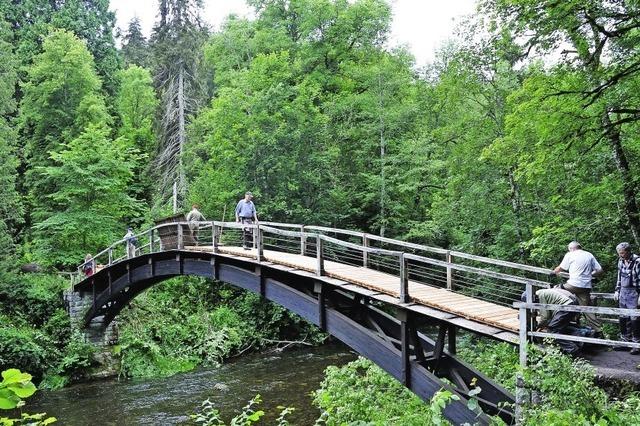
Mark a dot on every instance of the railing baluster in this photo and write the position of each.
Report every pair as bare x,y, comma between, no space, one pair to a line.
365,253
258,243
319,255
180,237
151,236
404,279
303,241
214,237
449,271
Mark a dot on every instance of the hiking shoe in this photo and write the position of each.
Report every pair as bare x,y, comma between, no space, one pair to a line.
635,351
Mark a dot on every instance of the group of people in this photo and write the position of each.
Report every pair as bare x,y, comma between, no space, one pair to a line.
582,268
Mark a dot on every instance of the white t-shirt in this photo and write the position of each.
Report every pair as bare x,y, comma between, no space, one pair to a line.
580,264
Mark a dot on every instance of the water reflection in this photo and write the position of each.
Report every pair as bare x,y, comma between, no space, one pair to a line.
282,379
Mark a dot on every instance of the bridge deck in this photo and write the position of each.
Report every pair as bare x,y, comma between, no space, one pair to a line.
438,298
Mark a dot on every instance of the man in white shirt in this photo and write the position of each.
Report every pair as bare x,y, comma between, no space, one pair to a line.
582,266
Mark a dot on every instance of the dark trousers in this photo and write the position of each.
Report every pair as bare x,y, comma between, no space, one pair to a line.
629,326
564,322
584,299
247,233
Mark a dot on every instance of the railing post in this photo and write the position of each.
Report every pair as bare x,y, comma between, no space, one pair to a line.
319,255
258,243
404,280
365,253
449,271
523,396
214,237
303,241
180,237
110,256
151,237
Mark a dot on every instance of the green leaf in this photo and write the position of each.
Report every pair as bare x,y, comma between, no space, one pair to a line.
23,390
256,416
14,375
8,400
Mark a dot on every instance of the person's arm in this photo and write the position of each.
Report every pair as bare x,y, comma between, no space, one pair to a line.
255,213
597,269
563,266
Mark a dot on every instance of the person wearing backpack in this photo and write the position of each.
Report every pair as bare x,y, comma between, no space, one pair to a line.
627,292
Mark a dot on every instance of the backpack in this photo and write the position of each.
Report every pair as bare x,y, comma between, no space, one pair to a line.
134,242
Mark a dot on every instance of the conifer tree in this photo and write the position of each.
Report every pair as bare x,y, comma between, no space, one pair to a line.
177,41
135,49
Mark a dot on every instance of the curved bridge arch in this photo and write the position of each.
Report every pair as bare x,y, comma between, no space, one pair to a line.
392,342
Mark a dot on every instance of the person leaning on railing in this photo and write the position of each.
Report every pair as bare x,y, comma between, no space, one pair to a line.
194,218
582,267
626,294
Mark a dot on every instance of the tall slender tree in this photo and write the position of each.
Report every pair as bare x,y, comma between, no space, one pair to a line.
177,42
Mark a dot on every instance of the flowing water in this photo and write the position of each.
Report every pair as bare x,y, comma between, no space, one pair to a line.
283,379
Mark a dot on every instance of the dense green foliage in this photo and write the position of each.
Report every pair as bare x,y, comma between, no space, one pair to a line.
35,330
182,323
520,136
361,391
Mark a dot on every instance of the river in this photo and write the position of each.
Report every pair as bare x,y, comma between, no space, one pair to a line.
285,378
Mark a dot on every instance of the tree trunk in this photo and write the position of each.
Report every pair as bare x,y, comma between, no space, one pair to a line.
383,188
181,133
516,207
612,133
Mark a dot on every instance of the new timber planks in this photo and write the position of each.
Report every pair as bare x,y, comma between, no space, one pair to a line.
466,307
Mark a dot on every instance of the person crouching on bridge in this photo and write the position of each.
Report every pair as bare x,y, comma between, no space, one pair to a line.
557,321
582,267
626,294
246,213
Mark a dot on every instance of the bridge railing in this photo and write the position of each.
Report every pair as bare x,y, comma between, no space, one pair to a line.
484,278
488,279
529,328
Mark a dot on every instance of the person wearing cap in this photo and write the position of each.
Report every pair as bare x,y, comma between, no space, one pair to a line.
246,214
626,293
582,267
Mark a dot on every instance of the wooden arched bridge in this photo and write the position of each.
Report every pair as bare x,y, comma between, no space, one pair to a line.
380,296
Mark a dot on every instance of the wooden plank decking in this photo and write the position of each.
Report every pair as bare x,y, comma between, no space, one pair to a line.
438,298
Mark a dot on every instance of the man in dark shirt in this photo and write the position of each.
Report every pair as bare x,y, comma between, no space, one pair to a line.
246,213
627,292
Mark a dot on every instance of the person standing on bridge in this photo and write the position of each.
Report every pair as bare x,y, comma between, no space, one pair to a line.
582,267
246,214
627,292
131,242
194,218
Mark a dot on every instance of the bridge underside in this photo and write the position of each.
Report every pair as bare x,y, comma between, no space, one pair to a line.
393,342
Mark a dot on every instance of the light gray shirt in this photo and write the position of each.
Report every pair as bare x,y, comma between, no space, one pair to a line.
581,264
245,209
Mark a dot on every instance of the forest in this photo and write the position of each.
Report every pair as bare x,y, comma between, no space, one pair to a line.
522,135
